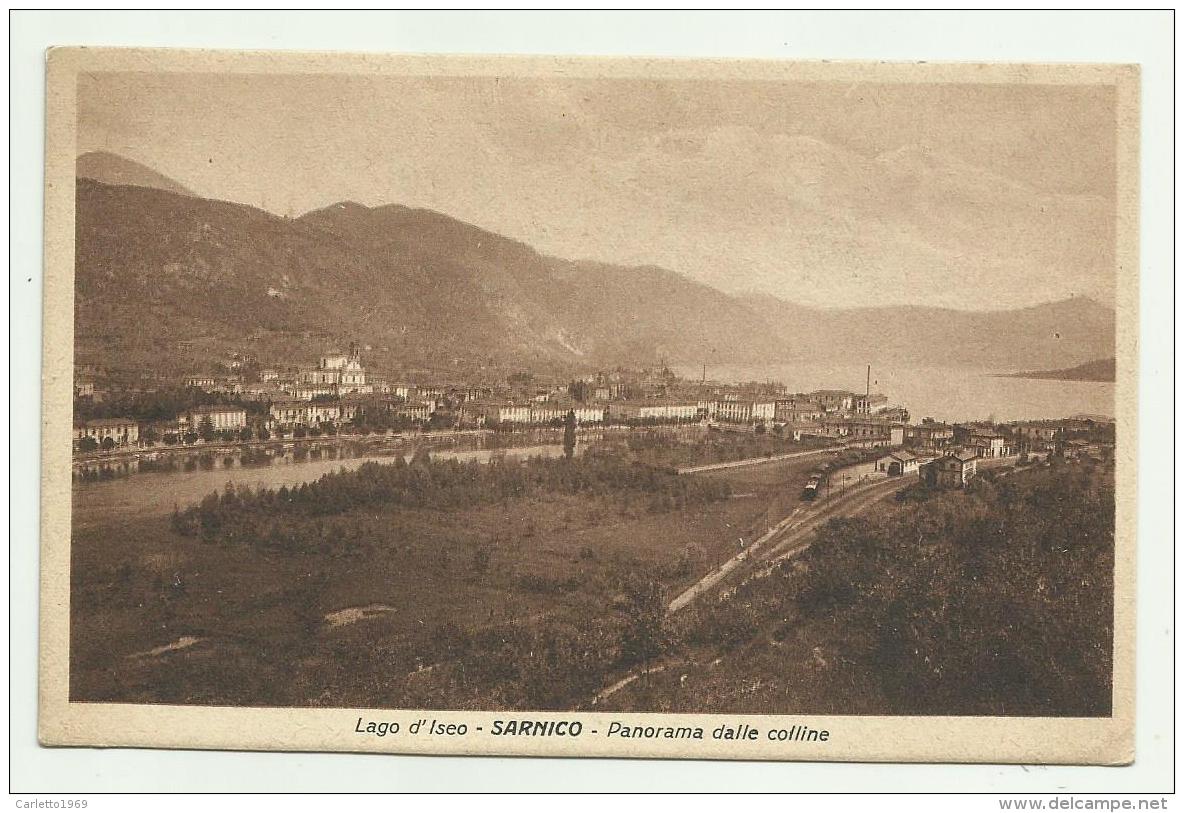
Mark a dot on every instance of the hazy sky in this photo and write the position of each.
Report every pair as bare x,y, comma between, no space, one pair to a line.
971,196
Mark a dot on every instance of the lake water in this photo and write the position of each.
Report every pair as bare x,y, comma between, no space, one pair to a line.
155,493
943,393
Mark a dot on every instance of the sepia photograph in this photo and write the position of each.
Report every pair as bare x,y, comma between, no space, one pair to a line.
541,398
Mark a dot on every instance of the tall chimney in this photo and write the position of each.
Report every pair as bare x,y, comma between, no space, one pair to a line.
869,380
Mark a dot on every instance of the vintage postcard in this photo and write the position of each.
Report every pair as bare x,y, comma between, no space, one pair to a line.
590,407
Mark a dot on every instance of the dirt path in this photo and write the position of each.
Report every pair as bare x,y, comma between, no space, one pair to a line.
612,689
754,461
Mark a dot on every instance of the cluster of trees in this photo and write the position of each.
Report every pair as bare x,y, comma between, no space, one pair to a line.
383,420
848,457
562,663
89,444
617,420
323,429
150,436
274,517
995,601
160,405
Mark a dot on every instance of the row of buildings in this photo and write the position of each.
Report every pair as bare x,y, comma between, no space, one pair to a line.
983,440
334,375
339,390
951,470
1017,437
122,432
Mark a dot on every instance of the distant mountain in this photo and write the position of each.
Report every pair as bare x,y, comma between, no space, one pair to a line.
1097,370
643,314
581,312
109,168
167,282
1054,334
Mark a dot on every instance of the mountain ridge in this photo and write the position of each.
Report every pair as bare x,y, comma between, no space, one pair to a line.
424,289
110,168
1072,331
1096,370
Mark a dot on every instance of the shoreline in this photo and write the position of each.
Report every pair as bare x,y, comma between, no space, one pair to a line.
1046,375
218,447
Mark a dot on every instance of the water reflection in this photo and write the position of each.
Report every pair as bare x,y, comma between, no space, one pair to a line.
152,483
149,461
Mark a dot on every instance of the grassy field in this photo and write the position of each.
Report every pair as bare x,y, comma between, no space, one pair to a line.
517,603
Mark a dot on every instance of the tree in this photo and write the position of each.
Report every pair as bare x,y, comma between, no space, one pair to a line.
205,429
299,432
190,437
569,434
244,433
107,444
422,457
644,636
88,444
1009,610
578,390
149,436
441,420
263,434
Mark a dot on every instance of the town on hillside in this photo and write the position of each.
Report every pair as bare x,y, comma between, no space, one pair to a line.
246,402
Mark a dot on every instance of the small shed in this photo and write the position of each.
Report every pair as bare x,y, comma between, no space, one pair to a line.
898,463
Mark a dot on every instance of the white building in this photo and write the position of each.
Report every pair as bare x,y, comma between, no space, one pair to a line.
655,410
869,404
221,417
589,414
122,431
797,410
306,392
833,400
304,413
420,411
333,361
745,411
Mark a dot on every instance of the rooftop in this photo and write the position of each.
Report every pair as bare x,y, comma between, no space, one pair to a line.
109,422
217,408
677,402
